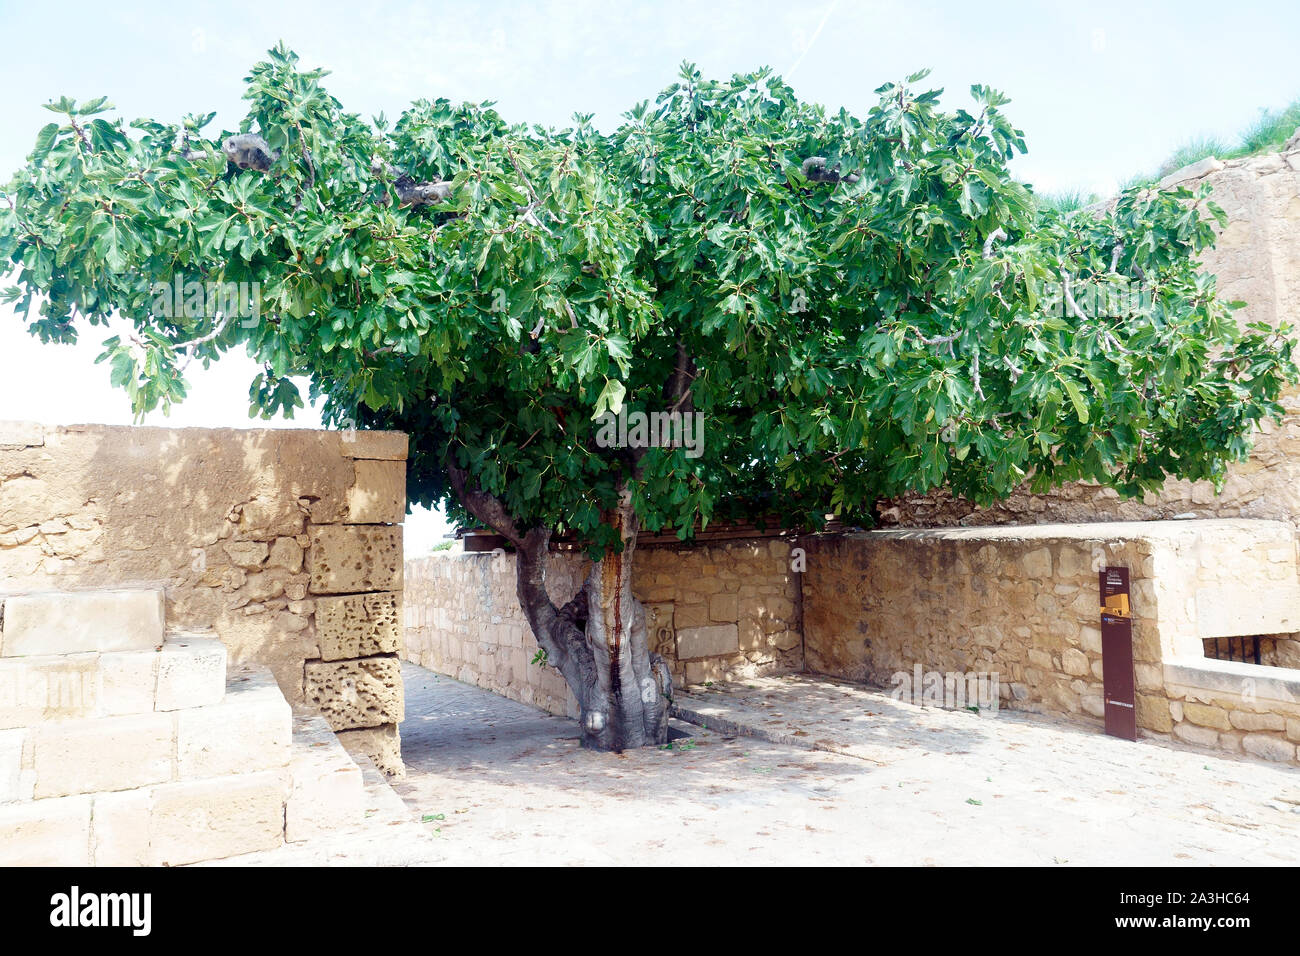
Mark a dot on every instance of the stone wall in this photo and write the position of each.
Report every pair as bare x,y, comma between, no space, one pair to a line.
1023,602
287,543
1236,707
715,612
1257,261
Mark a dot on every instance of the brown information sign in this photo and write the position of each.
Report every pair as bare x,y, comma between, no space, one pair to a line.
1117,653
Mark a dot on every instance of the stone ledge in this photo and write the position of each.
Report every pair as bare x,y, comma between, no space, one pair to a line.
1225,677
1083,531
191,673
70,622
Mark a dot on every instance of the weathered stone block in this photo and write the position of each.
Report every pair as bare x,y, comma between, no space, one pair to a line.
1270,748
1200,736
360,625
359,693
128,682
690,615
1153,714
1074,662
120,828
285,553
271,517
249,729
73,621
1090,639
1149,676
216,818
712,641
1196,170
1245,720
109,753
1038,563
383,745
46,833
724,608
347,559
72,686
379,494
699,672
1206,716
191,673
1293,729
249,555
787,640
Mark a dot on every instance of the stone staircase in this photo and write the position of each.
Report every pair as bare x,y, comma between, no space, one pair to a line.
122,744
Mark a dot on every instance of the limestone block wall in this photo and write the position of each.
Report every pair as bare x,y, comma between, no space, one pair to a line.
287,543
1257,261
1018,603
1023,602
716,612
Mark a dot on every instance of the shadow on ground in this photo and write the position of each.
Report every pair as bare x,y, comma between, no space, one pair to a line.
496,781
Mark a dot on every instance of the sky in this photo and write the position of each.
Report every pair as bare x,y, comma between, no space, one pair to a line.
1102,90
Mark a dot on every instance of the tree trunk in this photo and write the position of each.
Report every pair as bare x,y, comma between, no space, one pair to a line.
598,641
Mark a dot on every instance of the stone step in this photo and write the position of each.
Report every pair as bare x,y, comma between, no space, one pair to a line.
159,788
328,792
215,818
71,622
171,824
189,670
248,729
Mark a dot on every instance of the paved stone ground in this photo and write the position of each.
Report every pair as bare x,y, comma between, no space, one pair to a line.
497,782
803,770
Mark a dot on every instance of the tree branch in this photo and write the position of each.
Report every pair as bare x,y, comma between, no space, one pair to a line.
993,237
483,506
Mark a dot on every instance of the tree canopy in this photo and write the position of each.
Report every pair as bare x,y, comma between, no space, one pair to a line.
857,306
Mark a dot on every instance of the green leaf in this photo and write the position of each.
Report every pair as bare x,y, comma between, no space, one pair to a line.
610,398
1076,399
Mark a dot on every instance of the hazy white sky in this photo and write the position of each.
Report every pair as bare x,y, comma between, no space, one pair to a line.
1102,91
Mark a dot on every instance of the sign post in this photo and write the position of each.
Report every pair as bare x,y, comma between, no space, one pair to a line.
1118,682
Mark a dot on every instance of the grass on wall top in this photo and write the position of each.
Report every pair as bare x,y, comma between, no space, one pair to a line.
1266,134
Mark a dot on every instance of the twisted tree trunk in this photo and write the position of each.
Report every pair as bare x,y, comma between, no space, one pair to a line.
598,641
